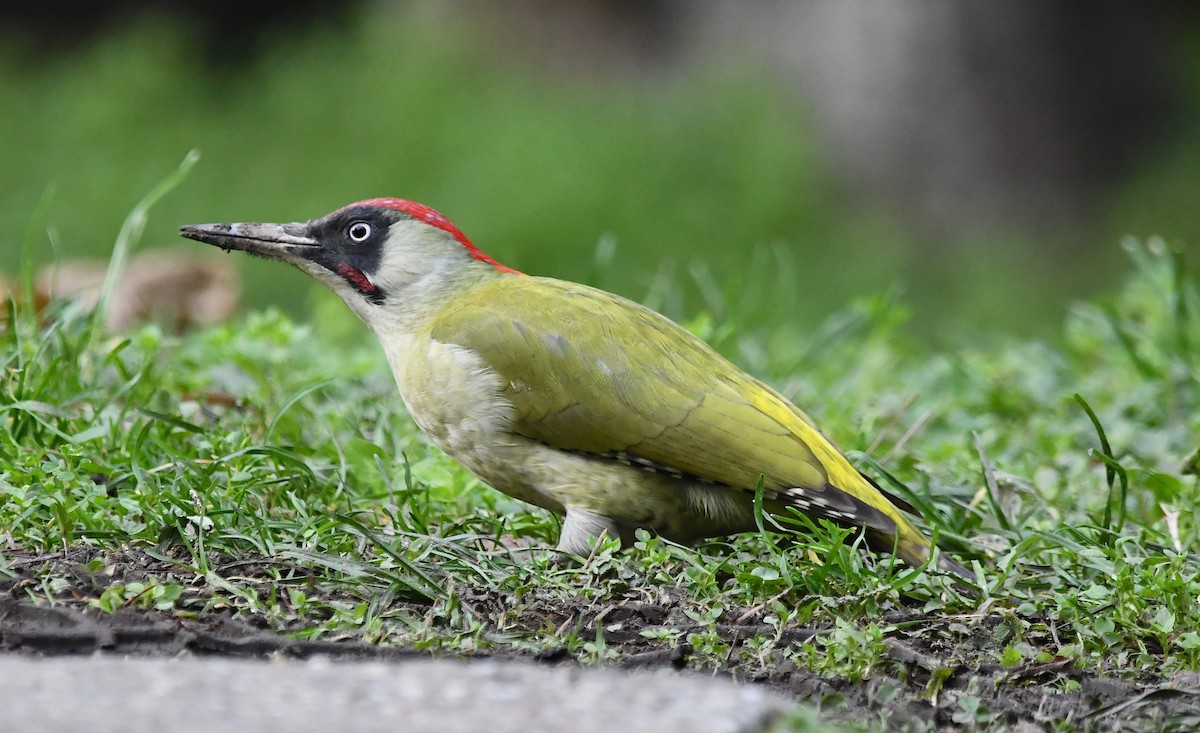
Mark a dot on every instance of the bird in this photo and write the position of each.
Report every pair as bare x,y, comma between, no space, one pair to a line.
574,399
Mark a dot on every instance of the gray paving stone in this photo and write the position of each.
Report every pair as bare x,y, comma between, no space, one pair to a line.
100,694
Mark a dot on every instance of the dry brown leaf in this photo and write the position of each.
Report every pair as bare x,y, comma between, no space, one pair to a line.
176,291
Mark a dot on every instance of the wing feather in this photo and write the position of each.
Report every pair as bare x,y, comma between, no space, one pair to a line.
643,386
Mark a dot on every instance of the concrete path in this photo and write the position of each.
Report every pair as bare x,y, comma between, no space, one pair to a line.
99,694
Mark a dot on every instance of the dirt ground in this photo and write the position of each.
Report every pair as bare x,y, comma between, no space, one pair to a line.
1024,698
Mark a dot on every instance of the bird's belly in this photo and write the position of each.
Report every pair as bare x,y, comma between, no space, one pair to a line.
457,400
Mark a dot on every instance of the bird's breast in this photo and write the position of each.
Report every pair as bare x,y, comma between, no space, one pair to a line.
457,400
453,396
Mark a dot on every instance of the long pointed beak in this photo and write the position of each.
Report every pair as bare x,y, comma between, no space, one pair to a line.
277,241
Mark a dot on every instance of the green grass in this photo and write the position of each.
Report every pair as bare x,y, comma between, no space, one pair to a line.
278,476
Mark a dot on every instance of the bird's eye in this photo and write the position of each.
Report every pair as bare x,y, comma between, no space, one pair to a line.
359,231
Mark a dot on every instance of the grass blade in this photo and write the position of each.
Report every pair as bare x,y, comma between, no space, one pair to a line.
1113,471
131,232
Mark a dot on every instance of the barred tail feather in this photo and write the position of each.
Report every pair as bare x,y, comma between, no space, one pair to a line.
884,532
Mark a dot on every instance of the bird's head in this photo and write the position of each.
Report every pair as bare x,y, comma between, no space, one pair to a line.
373,253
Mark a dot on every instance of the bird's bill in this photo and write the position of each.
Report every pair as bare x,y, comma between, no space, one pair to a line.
287,242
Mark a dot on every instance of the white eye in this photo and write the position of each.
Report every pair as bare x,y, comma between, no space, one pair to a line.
359,231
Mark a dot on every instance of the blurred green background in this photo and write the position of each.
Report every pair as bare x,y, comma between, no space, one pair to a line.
676,158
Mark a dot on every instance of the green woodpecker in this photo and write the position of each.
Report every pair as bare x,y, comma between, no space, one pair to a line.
570,398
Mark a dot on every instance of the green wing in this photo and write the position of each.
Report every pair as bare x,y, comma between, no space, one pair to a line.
590,371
